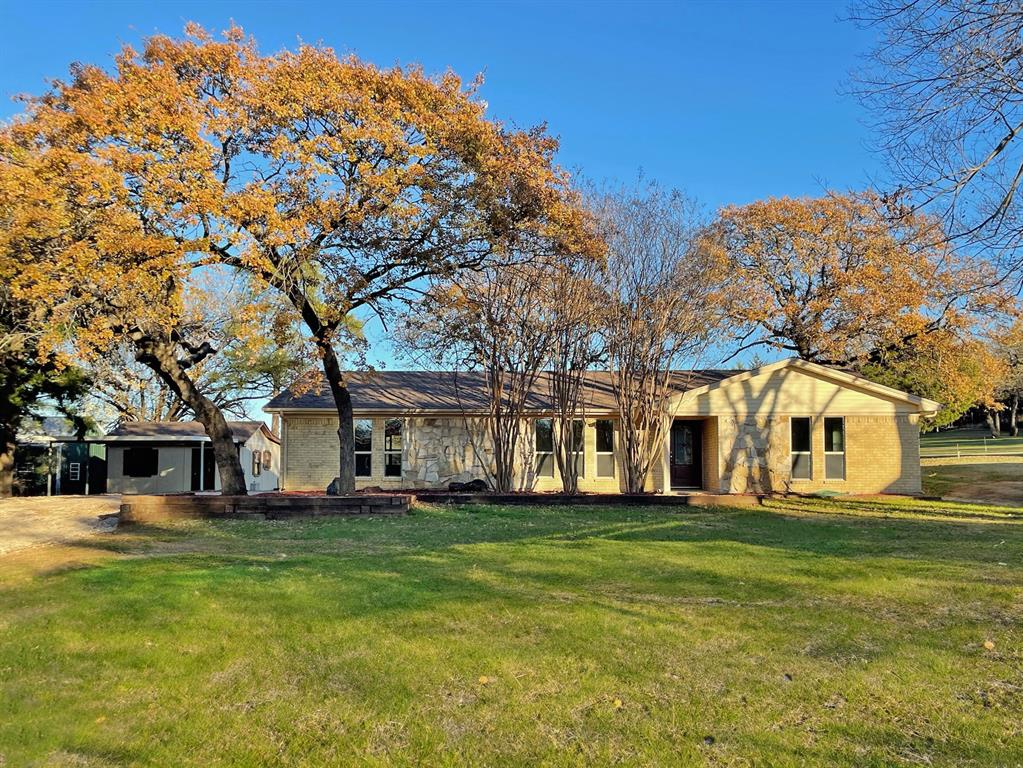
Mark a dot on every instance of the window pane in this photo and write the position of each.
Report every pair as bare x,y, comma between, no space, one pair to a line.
577,434
605,436
682,446
605,465
141,462
834,466
363,434
801,466
544,436
834,435
392,464
363,465
545,465
800,435
392,435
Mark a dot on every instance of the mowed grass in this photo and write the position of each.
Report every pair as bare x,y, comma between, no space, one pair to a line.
818,632
968,442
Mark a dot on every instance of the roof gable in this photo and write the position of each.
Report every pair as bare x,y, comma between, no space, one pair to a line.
837,376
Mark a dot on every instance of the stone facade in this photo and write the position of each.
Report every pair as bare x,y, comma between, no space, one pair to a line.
443,450
753,454
436,451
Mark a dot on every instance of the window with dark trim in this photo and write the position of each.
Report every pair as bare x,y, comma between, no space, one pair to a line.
801,443
141,461
544,447
392,447
834,448
577,447
363,447
605,429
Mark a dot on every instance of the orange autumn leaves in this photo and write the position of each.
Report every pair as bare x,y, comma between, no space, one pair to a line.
856,280
836,278
320,176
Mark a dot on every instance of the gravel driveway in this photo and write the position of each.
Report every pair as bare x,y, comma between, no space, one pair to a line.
27,521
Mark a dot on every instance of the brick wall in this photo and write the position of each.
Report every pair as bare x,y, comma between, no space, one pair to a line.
882,455
752,455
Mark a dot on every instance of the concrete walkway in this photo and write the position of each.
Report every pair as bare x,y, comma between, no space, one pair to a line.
28,521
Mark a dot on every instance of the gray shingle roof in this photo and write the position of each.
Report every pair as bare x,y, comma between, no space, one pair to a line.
179,430
449,390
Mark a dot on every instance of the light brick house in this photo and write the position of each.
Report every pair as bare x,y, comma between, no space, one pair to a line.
791,425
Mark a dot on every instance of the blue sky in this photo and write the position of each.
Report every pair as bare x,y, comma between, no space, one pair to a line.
729,101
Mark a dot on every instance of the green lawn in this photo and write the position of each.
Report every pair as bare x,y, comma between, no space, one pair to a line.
809,633
969,442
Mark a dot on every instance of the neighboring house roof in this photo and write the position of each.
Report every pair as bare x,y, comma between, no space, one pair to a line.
447,391
837,375
50,429
190,431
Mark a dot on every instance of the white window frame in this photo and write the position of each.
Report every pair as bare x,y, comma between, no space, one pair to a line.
611,453
845,469
394,451
549,454
793,454
74,471
369,452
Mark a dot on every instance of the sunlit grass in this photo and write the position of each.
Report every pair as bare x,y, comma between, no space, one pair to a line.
815,632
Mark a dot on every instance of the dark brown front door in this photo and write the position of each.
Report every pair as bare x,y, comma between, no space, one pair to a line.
686,461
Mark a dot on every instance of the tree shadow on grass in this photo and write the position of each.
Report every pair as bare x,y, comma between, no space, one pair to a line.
428,560
596,586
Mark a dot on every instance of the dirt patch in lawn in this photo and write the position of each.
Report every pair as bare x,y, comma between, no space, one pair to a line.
35,520
985,480
1004,492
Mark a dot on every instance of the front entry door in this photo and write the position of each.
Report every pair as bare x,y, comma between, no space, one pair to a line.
686,462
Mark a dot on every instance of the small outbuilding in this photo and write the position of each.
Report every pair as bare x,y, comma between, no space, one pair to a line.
154,457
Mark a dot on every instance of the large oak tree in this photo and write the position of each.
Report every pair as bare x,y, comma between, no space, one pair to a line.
89,271
856,280
339,184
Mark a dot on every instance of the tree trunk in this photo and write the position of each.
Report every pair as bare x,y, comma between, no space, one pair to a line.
345,481
994,422
6,463
1013,416
161,357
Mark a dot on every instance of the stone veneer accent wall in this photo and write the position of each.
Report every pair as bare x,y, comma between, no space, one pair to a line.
436,451
445,450
754,453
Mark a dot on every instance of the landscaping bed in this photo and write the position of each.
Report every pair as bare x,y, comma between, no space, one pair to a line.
696,499
266,506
